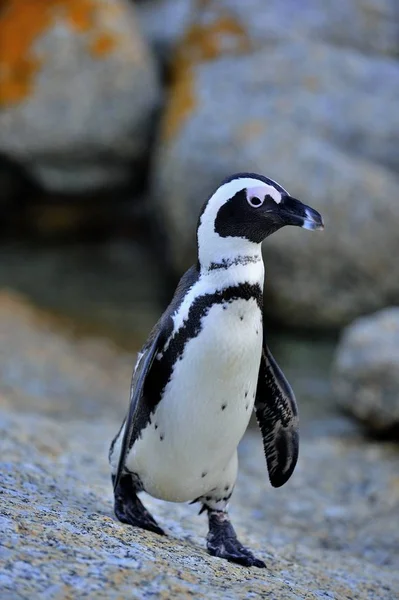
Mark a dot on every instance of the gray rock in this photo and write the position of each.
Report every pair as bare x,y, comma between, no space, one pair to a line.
114,289
163,23
80,113
366,370
371,26
327,534
47,368
304,113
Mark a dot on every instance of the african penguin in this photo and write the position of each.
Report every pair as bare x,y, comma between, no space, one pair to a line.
206,366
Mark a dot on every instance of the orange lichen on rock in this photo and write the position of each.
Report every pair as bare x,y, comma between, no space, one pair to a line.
201,43
80,14
103,45
22,22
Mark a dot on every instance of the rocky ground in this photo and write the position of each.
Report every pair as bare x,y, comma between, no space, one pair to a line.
329,533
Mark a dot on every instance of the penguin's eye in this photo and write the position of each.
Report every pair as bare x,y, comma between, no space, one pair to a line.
255,201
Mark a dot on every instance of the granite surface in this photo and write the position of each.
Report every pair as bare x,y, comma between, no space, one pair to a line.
330,533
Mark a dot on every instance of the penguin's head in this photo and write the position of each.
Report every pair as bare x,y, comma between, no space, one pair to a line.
245,209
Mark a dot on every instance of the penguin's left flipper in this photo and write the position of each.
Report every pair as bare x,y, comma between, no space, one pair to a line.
277,416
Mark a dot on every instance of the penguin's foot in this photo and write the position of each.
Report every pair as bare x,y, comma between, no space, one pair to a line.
129,508
222,541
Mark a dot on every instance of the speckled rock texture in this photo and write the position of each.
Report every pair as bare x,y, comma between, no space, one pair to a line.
288,90
329,533
78,91
366,370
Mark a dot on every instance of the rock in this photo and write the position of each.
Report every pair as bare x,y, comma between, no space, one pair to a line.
62,376
163,23
366,371
248,93
371,26
367,25
327,534
78,90
115,289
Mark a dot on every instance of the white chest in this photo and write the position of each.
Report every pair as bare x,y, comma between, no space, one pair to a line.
206,405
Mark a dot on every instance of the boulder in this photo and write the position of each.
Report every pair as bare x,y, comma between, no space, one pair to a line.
163,23
78,91
115,289
249,93
366,371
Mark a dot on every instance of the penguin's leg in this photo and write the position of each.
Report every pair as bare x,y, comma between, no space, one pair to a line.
222,539
128,507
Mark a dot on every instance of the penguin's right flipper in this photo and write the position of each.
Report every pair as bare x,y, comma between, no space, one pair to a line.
277,416
139,413
141,407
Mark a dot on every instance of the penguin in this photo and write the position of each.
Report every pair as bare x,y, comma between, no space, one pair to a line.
206,366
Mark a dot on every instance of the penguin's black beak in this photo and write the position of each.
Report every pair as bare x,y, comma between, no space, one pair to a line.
294,212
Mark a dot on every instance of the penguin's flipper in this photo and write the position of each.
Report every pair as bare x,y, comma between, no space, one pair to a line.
139,410
277,416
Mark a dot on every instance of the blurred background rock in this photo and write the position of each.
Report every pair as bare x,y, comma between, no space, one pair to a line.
117,119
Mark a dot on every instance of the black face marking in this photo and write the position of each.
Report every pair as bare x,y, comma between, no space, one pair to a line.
223,406
161,437
236,218
226,489
243,176
246,393
204,474
156,426
241,318
246,406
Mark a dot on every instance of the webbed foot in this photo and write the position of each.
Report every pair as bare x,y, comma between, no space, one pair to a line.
129,509
222,541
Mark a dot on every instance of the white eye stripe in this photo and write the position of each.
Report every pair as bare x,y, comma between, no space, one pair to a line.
256,196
